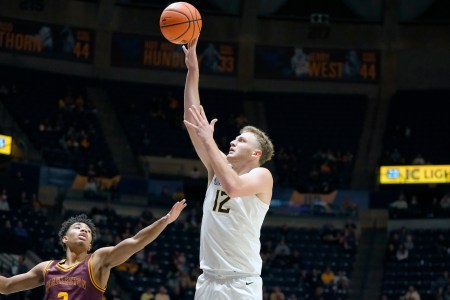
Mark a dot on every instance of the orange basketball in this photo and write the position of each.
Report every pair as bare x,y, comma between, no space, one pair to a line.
180,22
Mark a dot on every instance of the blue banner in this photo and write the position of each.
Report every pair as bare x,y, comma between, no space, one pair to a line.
140,51
340,65
47,40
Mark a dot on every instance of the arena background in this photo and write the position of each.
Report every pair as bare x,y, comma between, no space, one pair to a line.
343,87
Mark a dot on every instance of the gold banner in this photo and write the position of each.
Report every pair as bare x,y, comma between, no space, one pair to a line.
415,174
5,144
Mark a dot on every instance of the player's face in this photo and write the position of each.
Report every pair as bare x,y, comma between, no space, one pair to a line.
79,234
243,147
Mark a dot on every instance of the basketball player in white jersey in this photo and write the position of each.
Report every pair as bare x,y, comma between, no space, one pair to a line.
236,202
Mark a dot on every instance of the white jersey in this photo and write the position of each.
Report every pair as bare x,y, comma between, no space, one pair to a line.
230,232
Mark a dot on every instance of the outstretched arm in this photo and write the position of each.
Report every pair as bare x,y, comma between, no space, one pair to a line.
110,257
258,181
192,97
25,281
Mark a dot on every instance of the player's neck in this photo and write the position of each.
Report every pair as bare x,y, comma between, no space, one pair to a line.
243,168
74,257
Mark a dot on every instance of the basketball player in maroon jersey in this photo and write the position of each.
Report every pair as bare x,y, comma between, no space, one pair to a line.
81,275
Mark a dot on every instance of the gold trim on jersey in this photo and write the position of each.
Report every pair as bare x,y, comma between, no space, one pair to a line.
68,268
46,268
91,276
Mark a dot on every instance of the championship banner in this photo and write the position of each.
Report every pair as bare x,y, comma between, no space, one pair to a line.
5,144
140,51
47,40
415,174
339,65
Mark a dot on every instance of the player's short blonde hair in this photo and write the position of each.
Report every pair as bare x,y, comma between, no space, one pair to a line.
267,148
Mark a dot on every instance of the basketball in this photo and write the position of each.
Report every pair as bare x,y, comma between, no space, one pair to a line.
180,22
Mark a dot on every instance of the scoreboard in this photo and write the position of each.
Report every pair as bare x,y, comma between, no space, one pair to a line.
47,40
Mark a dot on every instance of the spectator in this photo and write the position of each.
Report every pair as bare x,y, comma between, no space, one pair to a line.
7,234
400,203
318,294
20,267
91,188
402,253
439,295
4,205
277,294
147,294
25,202
292,297
186,281
409,242
327,277
129,266
418,160
193,219
445,201
36,203
21,235
162,294
411,294
314,279
442,281
447,292
303,279
282,248
341,282
391,252
395,239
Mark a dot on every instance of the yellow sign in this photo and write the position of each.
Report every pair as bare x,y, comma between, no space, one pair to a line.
415,174
5,144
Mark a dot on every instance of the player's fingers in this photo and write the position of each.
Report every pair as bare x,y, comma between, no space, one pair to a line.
185,50
190,125
213,122
195,114
202,112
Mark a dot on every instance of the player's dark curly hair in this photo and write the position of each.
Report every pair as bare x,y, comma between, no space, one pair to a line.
72,220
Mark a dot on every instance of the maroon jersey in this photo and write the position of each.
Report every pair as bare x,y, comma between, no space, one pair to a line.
71,283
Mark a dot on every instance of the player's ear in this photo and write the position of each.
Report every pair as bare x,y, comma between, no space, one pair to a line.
257,152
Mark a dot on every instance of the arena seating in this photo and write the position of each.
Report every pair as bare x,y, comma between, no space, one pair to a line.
319,125
419,131
152,114
425,263
57,114
158,264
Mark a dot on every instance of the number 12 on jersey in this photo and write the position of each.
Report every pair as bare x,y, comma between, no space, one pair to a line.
219,202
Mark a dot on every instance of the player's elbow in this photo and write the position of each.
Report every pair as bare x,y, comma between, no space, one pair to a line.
4,287
232,191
